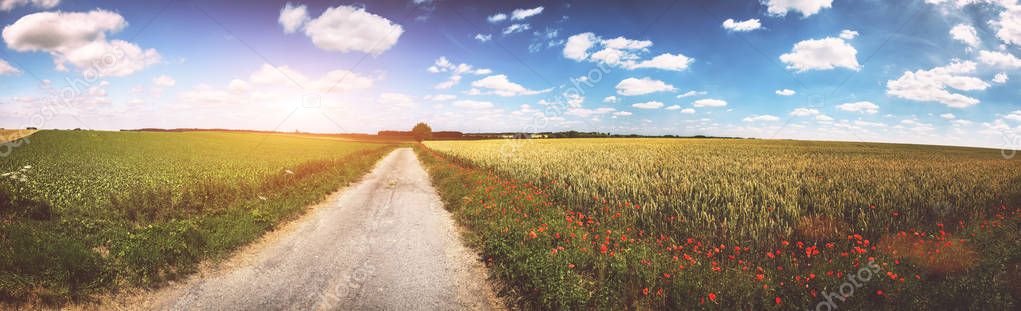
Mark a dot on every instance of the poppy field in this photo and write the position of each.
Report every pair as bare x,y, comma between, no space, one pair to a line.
737,224
86,211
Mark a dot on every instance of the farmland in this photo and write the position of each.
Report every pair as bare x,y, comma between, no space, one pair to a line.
86,211
750,224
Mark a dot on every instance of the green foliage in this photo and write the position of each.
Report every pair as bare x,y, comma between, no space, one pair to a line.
421,132
98,209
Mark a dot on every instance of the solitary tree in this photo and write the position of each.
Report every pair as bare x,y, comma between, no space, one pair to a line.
421,132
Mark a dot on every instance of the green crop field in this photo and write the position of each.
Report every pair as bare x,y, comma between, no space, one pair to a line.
84,211
738,224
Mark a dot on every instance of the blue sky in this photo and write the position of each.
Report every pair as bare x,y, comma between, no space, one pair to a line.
935,72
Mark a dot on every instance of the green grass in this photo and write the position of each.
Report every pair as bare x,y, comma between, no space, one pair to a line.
737,224
83,212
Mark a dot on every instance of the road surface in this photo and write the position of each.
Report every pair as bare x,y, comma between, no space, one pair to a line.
386,243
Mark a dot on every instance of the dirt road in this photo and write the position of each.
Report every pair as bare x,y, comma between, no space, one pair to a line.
386,243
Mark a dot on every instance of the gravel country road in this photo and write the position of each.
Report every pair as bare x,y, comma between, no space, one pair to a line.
384,244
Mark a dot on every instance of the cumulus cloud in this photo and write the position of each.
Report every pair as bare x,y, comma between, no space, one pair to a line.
577,46
7,5
673,107
1000,78
610,100
688,111
496,18
501,86
622,113
805,7
821,54
293,17
999,59
440,97
7,69
709,102
692,93
848,34
804,112
483,38
343,28
761,118
444,65
80,39
396,100
271,85
621,52
862,107
648,105
933,85
585,113
948,116
473,104
1009,24
520,14
965,33
633,86
164,81
747,25
785,92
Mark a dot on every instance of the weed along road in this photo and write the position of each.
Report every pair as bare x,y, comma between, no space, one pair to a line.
386,243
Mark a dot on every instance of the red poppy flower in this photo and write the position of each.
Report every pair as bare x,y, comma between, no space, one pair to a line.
712,297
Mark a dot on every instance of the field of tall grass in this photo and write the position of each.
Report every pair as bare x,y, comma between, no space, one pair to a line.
745,224
86,211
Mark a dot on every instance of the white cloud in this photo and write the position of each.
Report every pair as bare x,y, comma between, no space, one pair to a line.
610,100
673,107
948,116
862,106
7,5
805,7
688,111
516,28
336,81
804,112
440,97
621,52
164,81
785,92
747,25
965,33
293,17
848,34
622,113
761,118
1014,116
442,64
666,61
692,93
1000,78
933,84
821,54
496,18
823,118
271,85
585,113
520,14
80,39
709,102
648,105
999,59
1009,24
577,46
501,86
633,86
348,28
483,38
396,100
473,104
7,69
